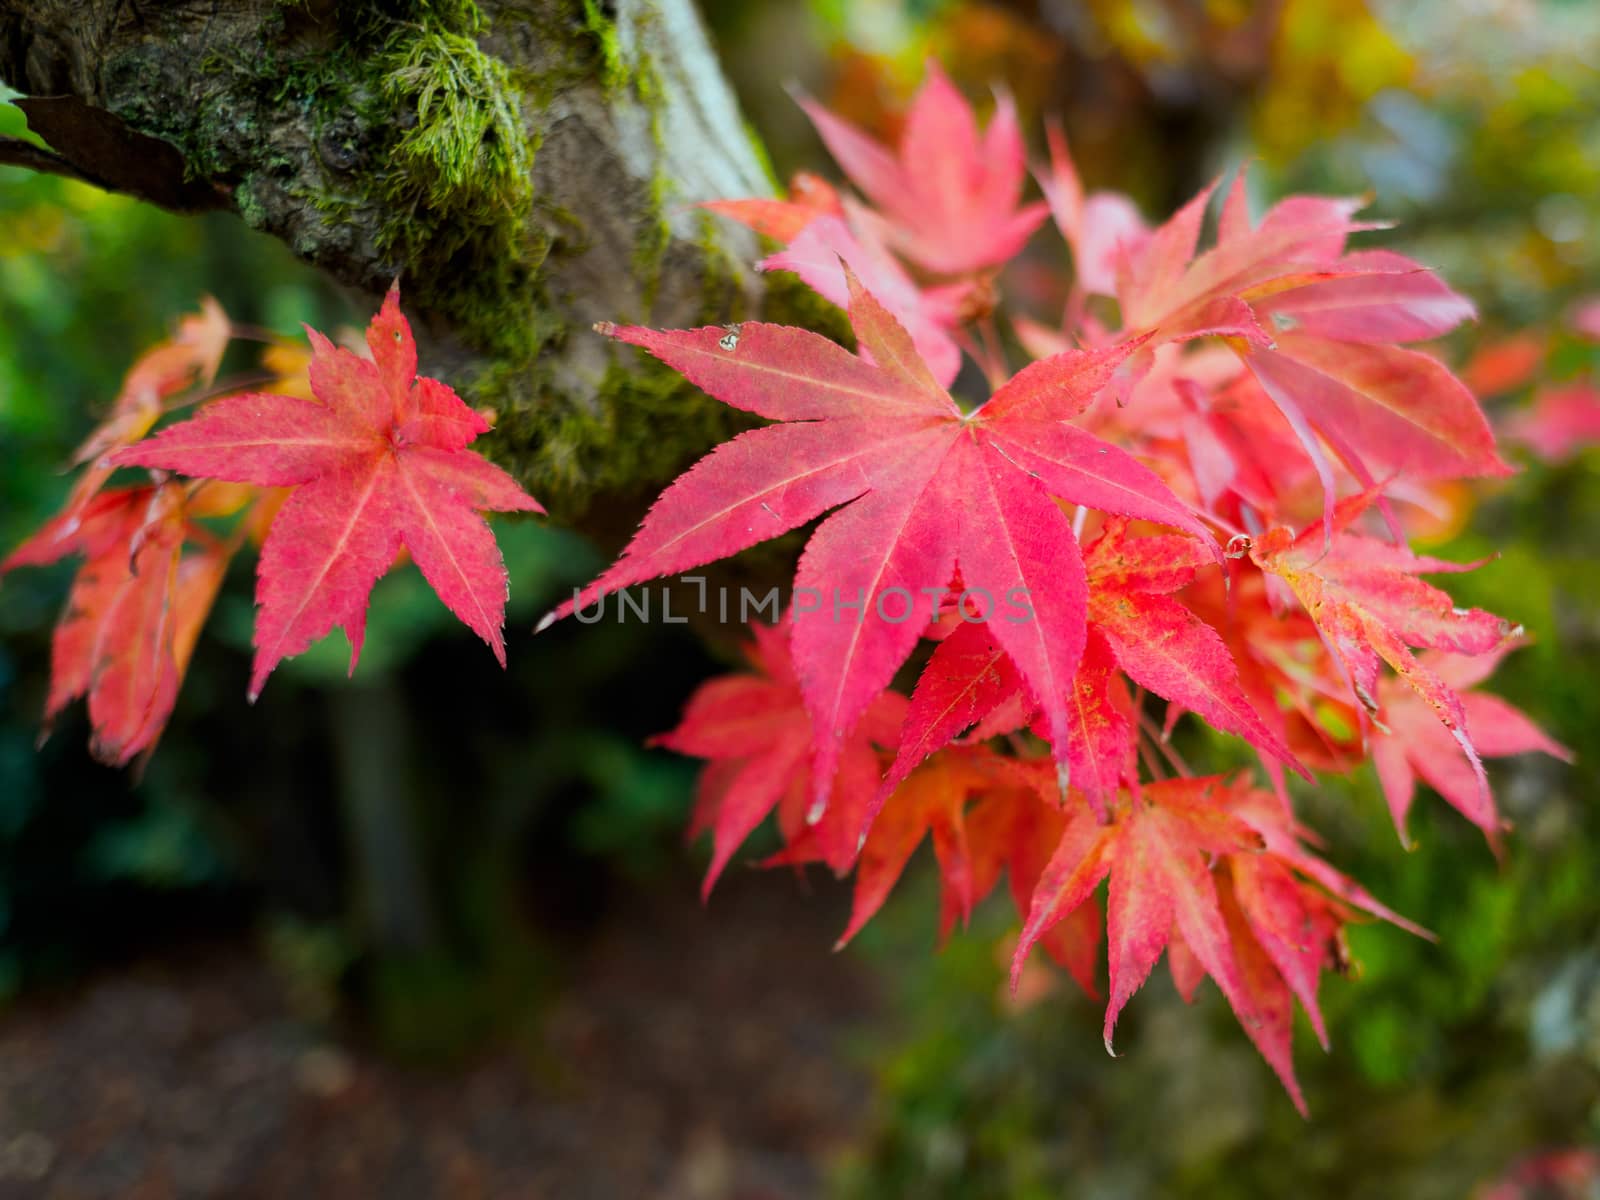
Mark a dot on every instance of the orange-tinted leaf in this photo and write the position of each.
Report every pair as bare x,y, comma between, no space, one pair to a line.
1369,605
1411,743
377,462
754,729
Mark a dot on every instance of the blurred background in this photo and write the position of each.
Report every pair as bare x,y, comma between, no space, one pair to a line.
433,931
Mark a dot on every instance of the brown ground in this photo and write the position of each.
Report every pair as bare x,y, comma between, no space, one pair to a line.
693,1056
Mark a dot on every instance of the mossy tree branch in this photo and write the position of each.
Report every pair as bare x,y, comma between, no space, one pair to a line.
526,167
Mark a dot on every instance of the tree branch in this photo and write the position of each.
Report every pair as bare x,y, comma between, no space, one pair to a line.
14,152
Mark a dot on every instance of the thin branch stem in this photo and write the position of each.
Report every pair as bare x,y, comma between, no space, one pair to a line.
1160,742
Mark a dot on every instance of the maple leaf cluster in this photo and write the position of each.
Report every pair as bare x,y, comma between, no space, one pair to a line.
1193,500
351,462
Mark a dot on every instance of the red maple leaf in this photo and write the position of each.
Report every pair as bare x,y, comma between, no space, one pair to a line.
1560,422
133,613
932,803
1160,644
1371,608
1134,624
190,356
827,247
927,491
1212,872
810,197
1410,742
947,194
1015,829
377,461
1157,850
754,730
1102,228
1316,326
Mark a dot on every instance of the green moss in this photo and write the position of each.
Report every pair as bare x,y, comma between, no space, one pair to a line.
467,142
457,187
652,239
613,68
419,145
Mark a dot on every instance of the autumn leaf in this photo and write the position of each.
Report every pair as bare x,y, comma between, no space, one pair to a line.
190,357
754,730
1103,229
947,195
966,679
1317,327
810,197
1162,645
1214,872
132,616
1559,424
378,461
1014,829
1157,852
1294,903
927,491
1371,608
1135,626
822,253
1410,743
931,804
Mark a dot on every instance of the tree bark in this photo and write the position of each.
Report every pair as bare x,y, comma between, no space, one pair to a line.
524,167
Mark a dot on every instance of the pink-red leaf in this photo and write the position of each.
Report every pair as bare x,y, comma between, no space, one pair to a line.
377,461
932,495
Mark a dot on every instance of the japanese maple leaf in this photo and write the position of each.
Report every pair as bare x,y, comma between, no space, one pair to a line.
827,247
1015,829
1284,667
132,616
1163,646
1371,608
1211,871
1293,904
967,678
754,730
1135,625
1157,851
927,490
932,803
191,356
1102,228
971,683
947,194
1561,422
1315,325
378,461
1411,743
810,197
